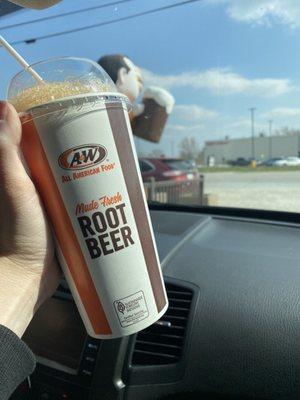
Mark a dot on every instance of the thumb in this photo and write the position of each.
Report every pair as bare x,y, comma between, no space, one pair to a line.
13,176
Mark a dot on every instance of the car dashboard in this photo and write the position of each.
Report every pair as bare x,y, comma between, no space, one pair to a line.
232,329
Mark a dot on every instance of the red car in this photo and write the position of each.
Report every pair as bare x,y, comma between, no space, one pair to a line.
171,169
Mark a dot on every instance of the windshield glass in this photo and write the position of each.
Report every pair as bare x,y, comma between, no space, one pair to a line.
213,83
177,164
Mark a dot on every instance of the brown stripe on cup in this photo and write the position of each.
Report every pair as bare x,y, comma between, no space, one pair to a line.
121,136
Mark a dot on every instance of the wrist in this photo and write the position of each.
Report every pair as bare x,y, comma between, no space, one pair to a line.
19,294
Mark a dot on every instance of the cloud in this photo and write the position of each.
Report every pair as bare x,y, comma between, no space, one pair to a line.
240,123
243,122
263,12
192,112
220,81
282,112
241,127
184,128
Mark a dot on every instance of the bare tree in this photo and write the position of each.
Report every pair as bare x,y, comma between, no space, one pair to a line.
157,153
188,148
286,131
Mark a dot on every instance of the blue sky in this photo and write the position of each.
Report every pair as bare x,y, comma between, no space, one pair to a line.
217,57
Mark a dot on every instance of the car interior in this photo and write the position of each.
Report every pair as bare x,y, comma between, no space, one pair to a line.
231,330
232,272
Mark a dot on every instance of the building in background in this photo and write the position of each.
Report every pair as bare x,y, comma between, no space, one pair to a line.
265,147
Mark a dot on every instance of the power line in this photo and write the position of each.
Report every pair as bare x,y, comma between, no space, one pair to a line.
33,21
137,15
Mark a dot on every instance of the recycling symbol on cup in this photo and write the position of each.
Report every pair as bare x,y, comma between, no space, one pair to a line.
121,307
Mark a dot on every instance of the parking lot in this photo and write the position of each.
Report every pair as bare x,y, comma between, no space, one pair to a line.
274,190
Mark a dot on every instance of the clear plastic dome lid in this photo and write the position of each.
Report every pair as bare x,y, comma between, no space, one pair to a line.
62,77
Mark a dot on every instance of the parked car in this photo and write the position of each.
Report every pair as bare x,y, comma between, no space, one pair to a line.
288,162
162,169
239,162
281,162
191,165
271,162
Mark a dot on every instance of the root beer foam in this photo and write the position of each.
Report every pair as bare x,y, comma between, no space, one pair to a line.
158,105
79,149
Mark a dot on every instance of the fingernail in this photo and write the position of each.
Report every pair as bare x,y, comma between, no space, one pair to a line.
3,110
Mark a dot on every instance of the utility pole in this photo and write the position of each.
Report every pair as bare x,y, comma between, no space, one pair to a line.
270,138
252,109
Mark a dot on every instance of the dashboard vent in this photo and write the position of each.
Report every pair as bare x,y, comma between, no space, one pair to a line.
162,343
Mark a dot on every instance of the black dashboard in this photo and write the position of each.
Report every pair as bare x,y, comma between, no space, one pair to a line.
232,330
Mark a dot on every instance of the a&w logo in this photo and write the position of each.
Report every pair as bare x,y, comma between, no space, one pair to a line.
84,156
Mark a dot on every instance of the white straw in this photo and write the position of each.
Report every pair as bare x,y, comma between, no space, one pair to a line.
20,59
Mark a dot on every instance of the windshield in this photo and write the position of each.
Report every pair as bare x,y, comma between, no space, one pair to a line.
213,83
178,164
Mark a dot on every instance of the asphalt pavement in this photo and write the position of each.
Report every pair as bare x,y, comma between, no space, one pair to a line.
276,190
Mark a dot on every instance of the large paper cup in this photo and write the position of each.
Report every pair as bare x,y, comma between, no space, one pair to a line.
81,156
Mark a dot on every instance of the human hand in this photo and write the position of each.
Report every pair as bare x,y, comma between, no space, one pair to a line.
29,270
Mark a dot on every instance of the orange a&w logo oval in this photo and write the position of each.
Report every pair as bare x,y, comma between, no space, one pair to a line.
83,156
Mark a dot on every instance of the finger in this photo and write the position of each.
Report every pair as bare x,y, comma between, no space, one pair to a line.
13,176
10,125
